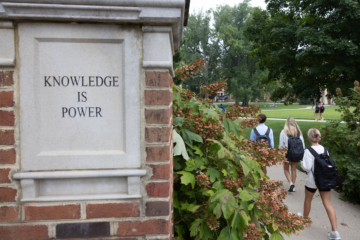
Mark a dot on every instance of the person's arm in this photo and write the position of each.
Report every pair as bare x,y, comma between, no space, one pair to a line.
302,139
252,135
271,138
282,139
308,161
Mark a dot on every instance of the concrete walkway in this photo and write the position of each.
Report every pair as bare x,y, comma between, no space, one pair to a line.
347,214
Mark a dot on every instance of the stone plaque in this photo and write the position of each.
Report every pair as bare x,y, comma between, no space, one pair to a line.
79,96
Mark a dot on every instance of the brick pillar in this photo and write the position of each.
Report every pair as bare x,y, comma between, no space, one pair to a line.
158,137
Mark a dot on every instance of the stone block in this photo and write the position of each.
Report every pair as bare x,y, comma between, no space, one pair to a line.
69,211
9,214
111,210
7,99
28,232
158,97
157,154
4,175
7,46
136,228
7,194
7,118
158,189
6,78
7,138
7,156
157,209
86,100
83,230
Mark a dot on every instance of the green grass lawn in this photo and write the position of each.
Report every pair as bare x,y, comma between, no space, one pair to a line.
278,125
266,106
329,114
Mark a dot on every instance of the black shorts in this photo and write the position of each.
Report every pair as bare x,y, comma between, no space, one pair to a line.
313,190
321,111
317,111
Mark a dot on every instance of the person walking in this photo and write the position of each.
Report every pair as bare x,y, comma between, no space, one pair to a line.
317,163
222,107
322,109
317,109
291,138
262,133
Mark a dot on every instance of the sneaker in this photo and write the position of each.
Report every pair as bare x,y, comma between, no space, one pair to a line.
335,236
292,188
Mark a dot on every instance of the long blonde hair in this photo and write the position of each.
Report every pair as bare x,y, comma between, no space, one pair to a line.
291,127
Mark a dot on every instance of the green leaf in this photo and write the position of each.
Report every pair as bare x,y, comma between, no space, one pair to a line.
187,178
179,148
244,217
178,121
235,220
245,167
245,196
197,151
195,227
230,126
213,174
206,232
189,137
276,236
228,205
193,207
224,234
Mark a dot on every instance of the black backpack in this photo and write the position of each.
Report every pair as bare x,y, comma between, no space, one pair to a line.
295,152
263,138
325,173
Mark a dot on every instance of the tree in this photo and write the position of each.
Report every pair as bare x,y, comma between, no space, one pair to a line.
241,71
200,43
308,45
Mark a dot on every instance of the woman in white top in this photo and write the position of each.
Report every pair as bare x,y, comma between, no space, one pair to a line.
291,128
307,164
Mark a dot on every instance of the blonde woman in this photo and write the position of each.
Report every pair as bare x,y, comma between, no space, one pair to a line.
292,139
308,164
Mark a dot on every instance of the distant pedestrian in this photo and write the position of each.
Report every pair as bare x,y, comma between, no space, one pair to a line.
317,110
322,109
222,107
325,172
292,139
262,133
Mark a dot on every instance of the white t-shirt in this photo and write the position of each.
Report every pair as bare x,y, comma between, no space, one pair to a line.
308,165
283,142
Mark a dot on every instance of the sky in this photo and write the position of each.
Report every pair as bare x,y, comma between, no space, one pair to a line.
196,5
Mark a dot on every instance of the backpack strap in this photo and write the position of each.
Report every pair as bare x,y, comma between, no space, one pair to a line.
313,152
267,132
325,151
256,132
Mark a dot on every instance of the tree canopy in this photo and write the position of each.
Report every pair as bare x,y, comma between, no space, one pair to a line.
307,45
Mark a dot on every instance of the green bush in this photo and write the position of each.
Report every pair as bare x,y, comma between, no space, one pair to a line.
220,191
343,143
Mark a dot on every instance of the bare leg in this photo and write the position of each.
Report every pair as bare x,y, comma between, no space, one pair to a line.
326,198
264,170
286,171
307,203
320,115
293,171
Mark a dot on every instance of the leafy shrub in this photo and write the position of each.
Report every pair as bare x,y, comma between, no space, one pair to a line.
305,101
343,143
220,191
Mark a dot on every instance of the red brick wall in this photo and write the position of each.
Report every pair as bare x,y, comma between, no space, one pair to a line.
148,218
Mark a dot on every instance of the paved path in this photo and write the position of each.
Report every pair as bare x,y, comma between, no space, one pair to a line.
347,213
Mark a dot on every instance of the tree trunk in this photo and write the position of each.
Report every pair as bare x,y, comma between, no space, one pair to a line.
237,99
245,102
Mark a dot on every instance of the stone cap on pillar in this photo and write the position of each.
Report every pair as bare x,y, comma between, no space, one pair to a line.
172,13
